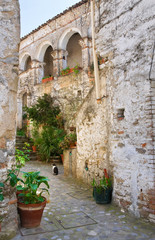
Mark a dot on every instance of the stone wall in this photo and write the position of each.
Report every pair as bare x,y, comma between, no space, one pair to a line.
9,31
118,134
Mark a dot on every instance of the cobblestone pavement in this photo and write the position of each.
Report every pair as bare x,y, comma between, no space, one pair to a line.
72,214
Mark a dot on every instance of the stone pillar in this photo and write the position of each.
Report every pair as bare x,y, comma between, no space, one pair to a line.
39,71
85,44
9,38
34,67
62,59
55,56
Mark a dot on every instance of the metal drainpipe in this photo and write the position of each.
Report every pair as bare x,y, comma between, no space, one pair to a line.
96,70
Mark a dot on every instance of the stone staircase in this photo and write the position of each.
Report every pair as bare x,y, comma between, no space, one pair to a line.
20,140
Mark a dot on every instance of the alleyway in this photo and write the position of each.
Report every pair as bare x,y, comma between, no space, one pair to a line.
72,214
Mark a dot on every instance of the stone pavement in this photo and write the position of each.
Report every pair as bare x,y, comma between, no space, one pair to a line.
72,214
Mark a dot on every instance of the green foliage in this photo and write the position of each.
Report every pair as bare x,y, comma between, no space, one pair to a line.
68,140
12,174
104,183
51,133
1,191
22,156
12,177
21,132
32,192
65,71
48,142
44,111
76,69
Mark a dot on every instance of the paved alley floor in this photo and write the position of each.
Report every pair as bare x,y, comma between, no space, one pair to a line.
72,214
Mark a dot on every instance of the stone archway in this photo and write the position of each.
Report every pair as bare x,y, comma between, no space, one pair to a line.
74,51
68,43
44,57
48,60
25,62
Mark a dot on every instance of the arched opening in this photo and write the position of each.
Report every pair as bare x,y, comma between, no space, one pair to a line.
28,63
48,60
74,51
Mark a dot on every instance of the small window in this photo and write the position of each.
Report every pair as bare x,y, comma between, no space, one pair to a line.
120,113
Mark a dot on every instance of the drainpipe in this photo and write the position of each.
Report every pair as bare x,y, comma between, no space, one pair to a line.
96,70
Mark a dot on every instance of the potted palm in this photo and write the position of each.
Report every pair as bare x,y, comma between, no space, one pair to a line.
31,201
102,190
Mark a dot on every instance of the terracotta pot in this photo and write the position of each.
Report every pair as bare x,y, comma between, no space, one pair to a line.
62,157
31,214
34,148
47,79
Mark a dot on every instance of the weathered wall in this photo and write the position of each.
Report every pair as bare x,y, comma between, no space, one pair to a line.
9,32
125,146
70,162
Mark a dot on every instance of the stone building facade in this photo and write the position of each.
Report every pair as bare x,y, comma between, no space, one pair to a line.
117,131
9,48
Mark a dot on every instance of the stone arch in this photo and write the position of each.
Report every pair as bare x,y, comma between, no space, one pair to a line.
74,51
42,49
23,100
44,56
25,61
66,36
69,43
48,60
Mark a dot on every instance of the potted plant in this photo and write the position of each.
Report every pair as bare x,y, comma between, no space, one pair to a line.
31,202
102,190
65,71
69,141
47,79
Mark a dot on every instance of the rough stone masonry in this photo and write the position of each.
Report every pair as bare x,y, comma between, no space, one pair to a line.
9,39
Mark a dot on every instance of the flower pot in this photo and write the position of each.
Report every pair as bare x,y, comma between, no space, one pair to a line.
31,214
62,158
34,148
47,79
102,196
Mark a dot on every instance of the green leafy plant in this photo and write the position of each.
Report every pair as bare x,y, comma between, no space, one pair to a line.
76,69
12,177
65,71
47,77
48,127
12,174
22,156
44,112
104,183
1,191
48,142
21,132
68,140
31,191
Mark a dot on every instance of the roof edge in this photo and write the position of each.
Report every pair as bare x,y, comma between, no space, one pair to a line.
55,17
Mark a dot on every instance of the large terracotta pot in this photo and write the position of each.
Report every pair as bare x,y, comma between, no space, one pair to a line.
34,148
30,214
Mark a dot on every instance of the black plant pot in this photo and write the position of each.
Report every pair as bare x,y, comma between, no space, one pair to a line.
102,196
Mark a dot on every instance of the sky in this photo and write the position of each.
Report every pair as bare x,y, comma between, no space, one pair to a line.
33,13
